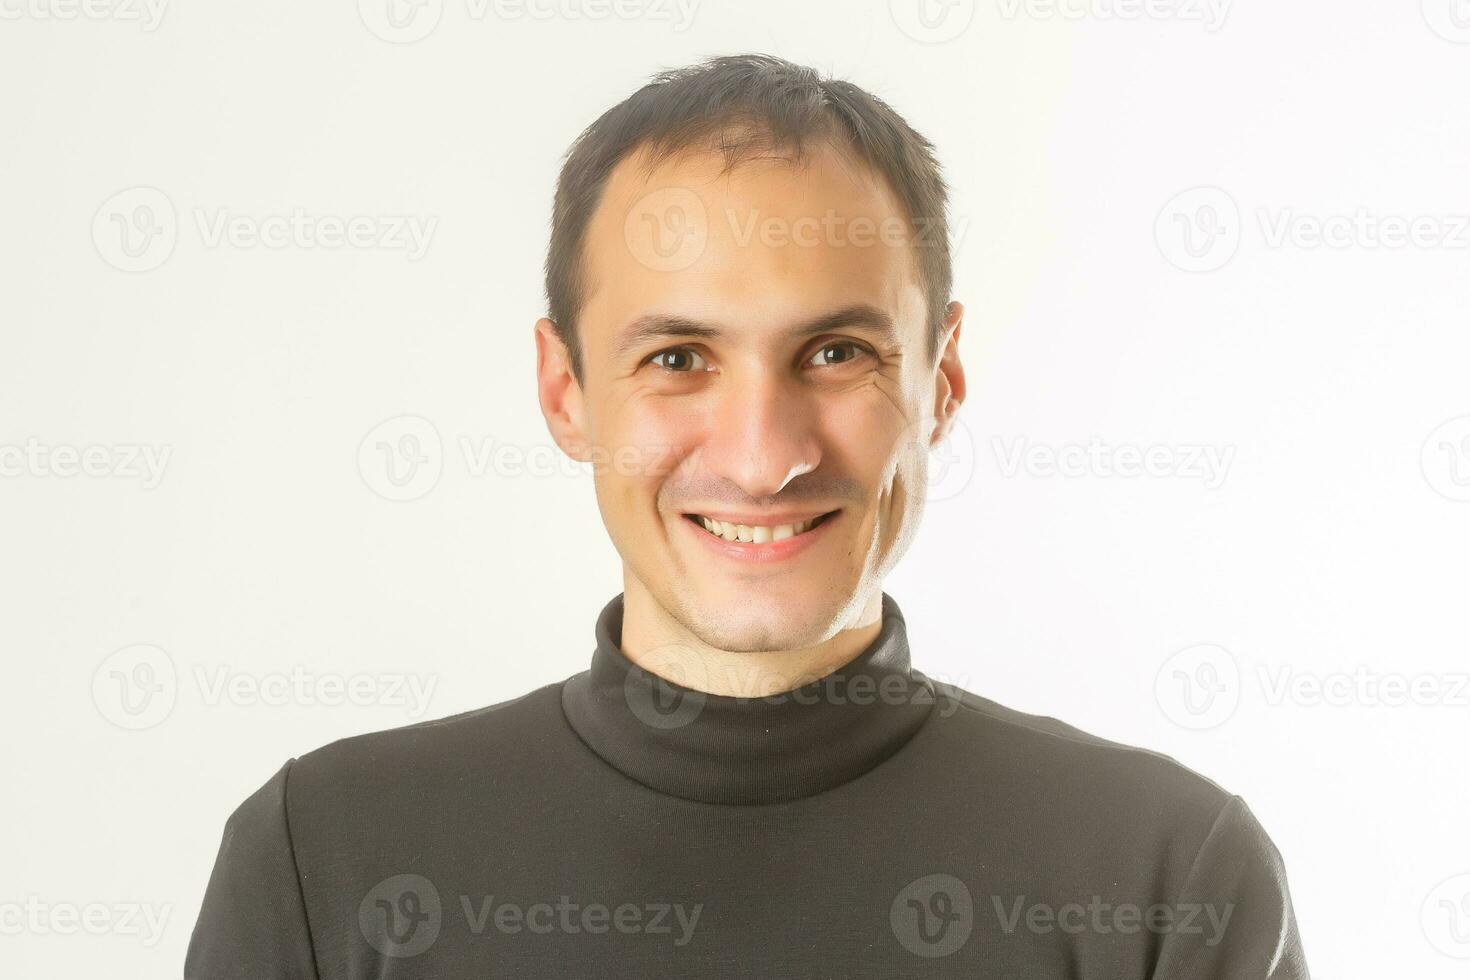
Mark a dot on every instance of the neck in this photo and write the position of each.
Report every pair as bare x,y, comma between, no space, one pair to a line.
663,646
724,749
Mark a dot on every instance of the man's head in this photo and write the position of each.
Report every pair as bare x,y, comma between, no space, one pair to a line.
749,282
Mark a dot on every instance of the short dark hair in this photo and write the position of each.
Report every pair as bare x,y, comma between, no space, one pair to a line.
744,104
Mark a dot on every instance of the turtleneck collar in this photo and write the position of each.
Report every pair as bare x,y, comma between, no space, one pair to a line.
737,750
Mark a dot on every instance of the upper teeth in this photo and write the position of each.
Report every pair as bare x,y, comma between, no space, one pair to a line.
756,533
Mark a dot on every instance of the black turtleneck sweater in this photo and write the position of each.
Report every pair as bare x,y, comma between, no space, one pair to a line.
874,823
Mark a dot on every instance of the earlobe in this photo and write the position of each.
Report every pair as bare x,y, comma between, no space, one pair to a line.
559,392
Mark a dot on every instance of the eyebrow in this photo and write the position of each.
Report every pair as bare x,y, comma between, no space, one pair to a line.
654,326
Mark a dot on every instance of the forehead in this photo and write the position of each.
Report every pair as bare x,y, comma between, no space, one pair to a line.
768,243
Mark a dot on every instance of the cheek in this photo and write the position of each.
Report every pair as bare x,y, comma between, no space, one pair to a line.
871,438
642,443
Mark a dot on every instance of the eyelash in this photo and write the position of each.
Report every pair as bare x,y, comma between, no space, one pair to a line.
860,348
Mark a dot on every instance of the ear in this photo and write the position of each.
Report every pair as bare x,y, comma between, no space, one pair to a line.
949,374
560,393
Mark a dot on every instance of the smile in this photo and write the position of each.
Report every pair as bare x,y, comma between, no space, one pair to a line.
756,533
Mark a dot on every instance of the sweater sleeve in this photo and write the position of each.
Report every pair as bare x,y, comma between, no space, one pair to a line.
252,924
1243,924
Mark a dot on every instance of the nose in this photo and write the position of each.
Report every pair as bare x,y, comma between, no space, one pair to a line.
762,434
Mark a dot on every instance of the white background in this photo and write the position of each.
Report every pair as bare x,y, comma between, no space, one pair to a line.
1332,549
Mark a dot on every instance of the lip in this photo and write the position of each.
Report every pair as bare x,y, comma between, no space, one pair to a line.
769,520
767,551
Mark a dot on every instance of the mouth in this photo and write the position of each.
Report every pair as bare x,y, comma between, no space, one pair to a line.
736,533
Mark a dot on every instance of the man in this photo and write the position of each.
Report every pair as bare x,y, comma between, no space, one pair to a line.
751,340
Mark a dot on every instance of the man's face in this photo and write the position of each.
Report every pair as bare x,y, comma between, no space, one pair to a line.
756,353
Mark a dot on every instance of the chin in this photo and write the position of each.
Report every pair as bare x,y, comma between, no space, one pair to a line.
765,617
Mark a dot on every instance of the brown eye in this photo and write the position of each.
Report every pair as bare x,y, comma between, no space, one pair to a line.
679,360
824,358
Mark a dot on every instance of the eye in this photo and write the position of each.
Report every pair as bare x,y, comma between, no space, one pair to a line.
680,360
823,358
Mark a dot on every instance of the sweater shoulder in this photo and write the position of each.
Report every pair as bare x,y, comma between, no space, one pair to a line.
490,737
1040,746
